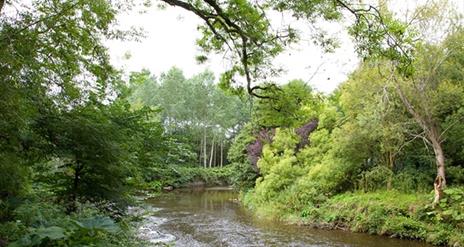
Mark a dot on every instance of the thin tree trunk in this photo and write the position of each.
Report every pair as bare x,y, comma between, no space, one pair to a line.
222,153
200,155
391,166
75,187
204,148
212,152
215,157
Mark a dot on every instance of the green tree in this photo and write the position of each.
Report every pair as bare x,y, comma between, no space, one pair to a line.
52,55
292,105
198,115
424,98
94,144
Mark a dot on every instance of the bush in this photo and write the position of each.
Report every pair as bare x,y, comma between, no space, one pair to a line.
404,227
14,178
376,178
243,176
455,175
413,180
43,223
87,231
450,210
181,176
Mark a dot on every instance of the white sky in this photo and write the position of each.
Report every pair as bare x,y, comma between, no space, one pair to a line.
170,41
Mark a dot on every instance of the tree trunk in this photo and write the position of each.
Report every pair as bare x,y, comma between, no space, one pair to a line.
2,3
215,157
212,153
433,136
200,155
75,187
440,181
222,153
391,166
204,148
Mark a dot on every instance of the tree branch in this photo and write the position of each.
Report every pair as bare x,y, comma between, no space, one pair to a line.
239,42
2,3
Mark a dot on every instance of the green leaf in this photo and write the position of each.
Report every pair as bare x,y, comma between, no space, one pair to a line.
448,212
99,223
53,232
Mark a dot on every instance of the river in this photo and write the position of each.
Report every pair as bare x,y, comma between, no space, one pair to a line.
214,217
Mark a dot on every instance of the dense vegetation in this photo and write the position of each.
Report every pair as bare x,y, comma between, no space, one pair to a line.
382,154
372,160
368,165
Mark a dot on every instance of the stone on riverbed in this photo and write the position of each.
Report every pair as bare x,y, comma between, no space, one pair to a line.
168,188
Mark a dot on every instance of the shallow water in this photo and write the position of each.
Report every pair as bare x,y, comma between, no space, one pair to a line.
213,217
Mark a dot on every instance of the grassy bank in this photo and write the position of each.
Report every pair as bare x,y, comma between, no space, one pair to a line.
389,213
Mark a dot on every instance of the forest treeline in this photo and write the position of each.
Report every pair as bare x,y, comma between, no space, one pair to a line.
195,111
382,154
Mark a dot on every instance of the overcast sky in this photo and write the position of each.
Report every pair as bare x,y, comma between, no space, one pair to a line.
170,41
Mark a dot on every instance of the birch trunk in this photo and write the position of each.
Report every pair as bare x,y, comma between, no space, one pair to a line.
200,155
222,153
204,148
212,153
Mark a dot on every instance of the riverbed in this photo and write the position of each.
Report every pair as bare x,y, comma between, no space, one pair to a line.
214,217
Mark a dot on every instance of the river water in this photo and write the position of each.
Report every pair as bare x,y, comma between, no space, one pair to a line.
214,217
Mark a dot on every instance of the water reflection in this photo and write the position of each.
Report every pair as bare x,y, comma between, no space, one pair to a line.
214,218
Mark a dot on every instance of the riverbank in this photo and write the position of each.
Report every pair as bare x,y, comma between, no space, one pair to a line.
387,213
188,177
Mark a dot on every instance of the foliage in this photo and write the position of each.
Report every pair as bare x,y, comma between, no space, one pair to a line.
244,175
82,233
14,182
46,49
375,179
42,223
368,141
238,150
291,105
388,213
67,132
179,177
450,210
197,116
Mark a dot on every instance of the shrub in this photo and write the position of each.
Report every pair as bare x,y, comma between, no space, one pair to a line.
375,179
42,223
404,227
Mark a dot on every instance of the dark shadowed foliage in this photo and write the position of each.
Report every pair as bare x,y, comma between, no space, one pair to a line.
304,131
255,149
